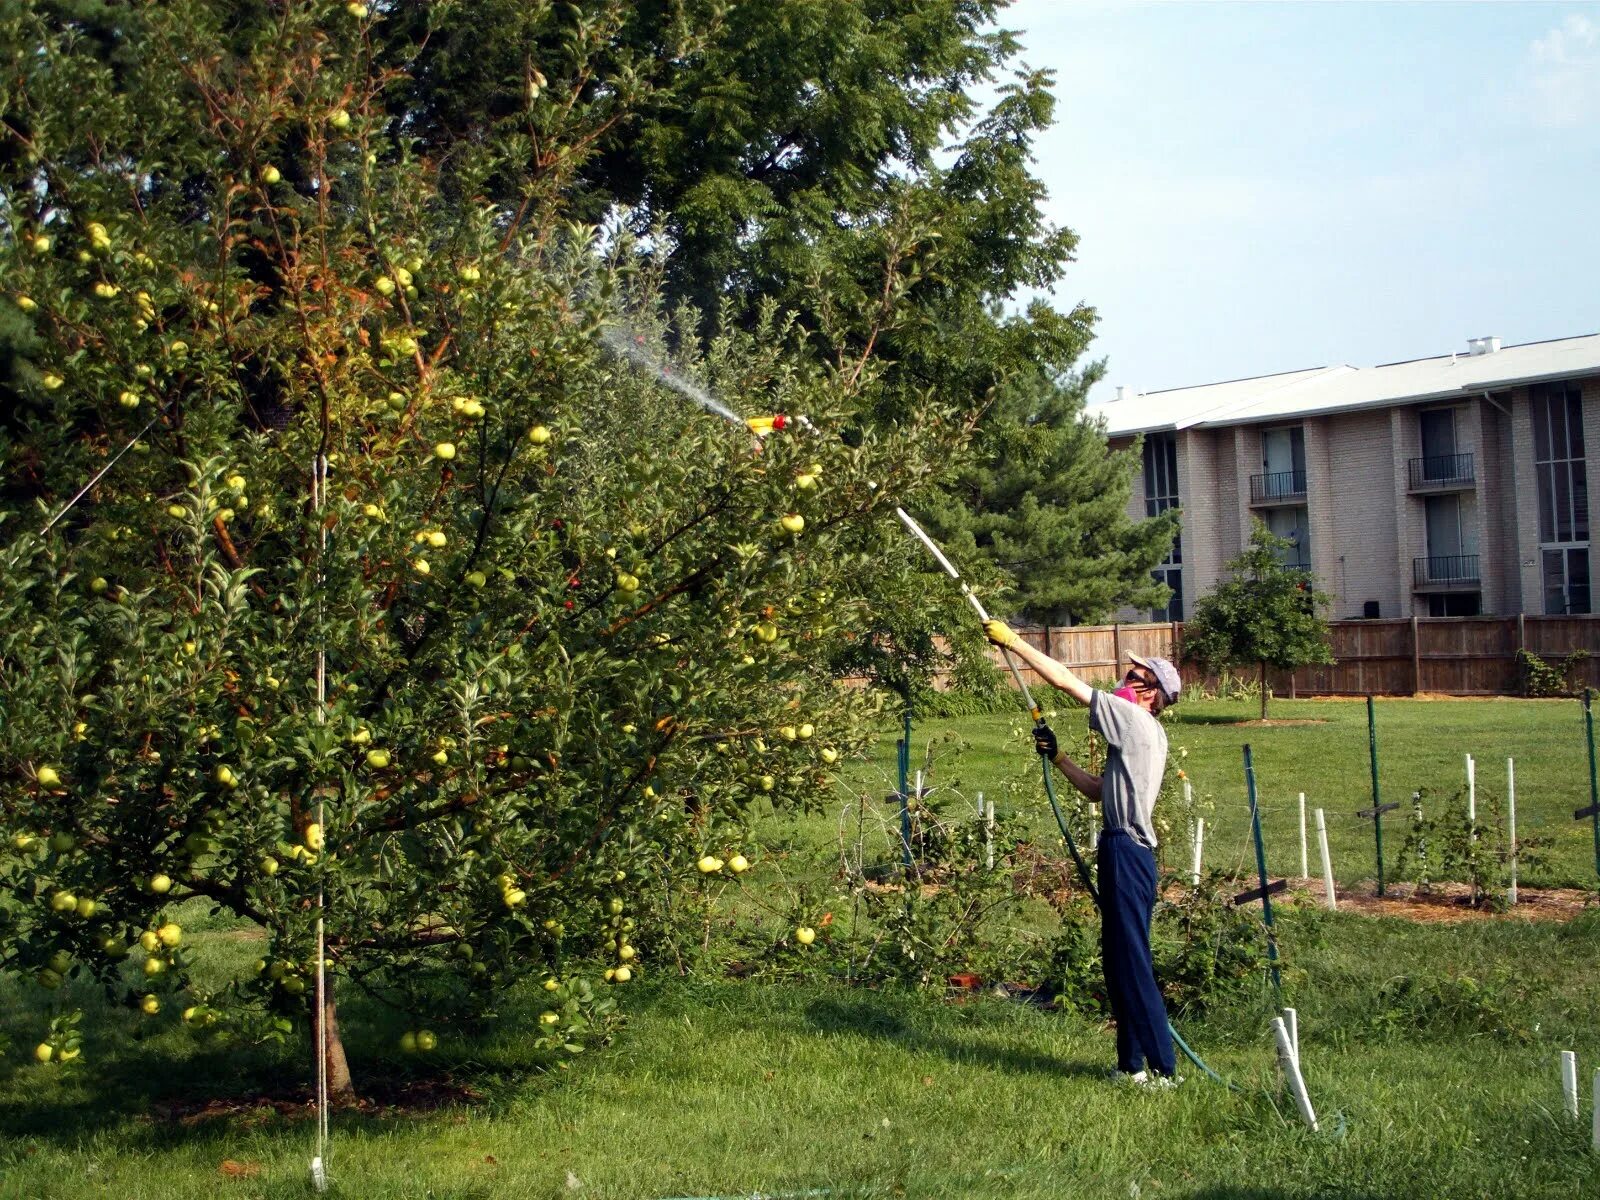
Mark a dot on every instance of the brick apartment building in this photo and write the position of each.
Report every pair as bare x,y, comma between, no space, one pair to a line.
1450,486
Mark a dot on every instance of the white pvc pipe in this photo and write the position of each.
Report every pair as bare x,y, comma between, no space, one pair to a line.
1472,792
1327,861
1511,817
1290,1063
1291,1021
988,835
980,806
1597,1112
1569,1083
1199,850
1305,868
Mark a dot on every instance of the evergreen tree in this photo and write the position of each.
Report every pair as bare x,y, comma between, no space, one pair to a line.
1266,615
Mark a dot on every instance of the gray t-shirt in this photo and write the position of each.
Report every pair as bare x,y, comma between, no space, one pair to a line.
1136,758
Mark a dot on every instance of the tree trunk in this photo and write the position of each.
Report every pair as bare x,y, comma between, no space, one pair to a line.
1263,689
340,1090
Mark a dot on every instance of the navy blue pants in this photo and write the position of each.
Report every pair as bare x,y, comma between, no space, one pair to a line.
1127,898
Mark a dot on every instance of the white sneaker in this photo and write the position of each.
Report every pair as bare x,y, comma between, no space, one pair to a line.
1128,1078
1158,1083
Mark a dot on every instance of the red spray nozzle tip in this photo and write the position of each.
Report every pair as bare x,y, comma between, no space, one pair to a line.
779,421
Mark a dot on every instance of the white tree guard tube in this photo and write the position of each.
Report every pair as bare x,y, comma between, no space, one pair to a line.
1569,1083
1511,830
1291,1021
1327,861
1595,1132
1305,867
1290,1063
988,835
1199,850
1472,793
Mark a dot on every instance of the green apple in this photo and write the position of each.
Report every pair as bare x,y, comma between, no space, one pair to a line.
154,966
48,979
63,902
805,935
477,578
438,539
60,961
709,864
514,896
548,1018
87,907
830,755
426,1040
339,119
767,783
44,1052
160,884
469,273
150,1005
377,759
50,381
767,631
627,582
789,733
539,434
408,1042
26,303
226,777
41,243
312,838
623,974
739,864
150,941
551,985
170,934
357,10
62,842
294,985
626,952
48,778
806,730
792,522
445,451
270,174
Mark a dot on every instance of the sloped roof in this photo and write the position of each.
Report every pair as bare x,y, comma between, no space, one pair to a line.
1344,388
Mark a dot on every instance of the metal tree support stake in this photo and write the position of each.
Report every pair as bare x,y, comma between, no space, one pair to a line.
1378,807
1511,829
1264,892
1593,811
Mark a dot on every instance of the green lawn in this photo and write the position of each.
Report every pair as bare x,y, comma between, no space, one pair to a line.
1421,746
1430,1051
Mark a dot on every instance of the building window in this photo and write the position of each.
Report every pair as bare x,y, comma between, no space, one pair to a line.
1563,485
1160,494
1294,526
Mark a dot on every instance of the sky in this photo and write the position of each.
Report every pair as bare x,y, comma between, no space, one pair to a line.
1269,186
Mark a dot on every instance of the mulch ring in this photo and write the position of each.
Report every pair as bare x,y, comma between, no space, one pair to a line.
379,1097
1450,903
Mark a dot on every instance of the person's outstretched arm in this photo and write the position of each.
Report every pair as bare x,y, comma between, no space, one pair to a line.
1052,672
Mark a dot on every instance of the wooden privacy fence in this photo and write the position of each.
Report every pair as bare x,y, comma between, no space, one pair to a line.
1457,656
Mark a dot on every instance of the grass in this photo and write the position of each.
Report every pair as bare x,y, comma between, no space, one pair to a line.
1430,1050
1421,746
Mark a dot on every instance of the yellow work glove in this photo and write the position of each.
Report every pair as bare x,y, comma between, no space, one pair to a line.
1000,633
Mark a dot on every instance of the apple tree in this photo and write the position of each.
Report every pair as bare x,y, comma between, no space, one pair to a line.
400,602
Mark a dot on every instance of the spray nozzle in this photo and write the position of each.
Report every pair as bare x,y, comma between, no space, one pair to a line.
762,426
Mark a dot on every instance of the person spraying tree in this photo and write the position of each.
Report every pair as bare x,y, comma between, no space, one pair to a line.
1136,758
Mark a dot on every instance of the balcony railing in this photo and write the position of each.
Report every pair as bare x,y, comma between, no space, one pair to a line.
1278,487
1441,472
1446,571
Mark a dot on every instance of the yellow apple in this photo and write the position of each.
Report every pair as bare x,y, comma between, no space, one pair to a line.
26,304
377,759
170,934
44,1052
150,941
792,522
539,434
426,1040
154,965
739,864
709,864
226,777
408,1042
805,935
829,754
50,381
445,451
548,1018
63,902
268,865
150,1005
789,733
767,783
41,244
627,582
438,539
477,578
86,907
623,974
48,777
270,174
339,119
514,896
160,884
767,631
312,838
806,730
626,952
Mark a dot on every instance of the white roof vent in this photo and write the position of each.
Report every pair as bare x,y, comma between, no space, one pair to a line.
1483,345
1122,391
